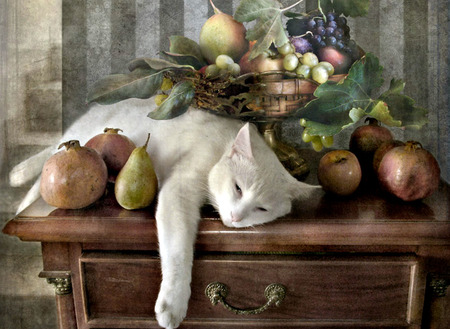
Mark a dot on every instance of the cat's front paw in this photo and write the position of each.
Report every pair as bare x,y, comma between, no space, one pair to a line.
171,307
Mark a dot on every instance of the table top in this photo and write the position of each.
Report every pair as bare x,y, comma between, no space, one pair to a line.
368,217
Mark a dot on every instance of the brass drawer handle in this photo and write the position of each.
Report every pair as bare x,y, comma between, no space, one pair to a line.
274,293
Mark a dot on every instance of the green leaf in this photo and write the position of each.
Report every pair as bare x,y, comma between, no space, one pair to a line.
185,60
268,27
351,8
381,112
185,46
177,103
140,83
403,108
155,63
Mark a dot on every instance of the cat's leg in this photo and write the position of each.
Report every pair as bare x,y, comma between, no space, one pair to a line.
177,217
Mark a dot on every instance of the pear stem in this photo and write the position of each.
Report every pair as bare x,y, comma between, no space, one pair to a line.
216,10
146,143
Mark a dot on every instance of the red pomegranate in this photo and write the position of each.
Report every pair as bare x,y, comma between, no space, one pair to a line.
409,172
73,178
114,148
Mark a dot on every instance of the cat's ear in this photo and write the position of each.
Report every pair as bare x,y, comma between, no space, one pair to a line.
242,144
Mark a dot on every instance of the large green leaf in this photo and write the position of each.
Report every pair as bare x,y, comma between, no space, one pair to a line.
352,8
402,107
185,60
185,46
140,83
268,27
177,103
155,63
330,112
340,105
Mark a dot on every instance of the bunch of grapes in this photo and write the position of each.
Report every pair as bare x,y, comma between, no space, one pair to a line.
223,66
317,142
319,31
306,64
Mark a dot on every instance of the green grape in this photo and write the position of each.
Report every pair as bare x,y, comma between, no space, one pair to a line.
222,61
319,74
212,71
159,99
303,122
328,66
327,141
290,62
286,49
306,137
167,84
310,59
316,143
304,70
234,69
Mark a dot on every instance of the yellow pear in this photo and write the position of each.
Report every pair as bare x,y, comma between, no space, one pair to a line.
136,184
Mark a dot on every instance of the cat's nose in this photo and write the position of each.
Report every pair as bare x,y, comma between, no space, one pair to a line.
235,218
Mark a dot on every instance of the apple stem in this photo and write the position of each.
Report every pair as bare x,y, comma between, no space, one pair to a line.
292,6
216,10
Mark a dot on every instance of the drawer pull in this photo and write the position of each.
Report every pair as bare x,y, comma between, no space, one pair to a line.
274,293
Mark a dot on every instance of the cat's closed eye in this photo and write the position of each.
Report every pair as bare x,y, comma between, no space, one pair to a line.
238,189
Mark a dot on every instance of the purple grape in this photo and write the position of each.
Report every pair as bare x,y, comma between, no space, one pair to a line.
331,41
320,30
329,31
301,45
331,16
320,22
339,33
311,24
341,21
332,24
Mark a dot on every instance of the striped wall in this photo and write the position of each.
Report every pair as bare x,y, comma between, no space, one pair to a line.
411,38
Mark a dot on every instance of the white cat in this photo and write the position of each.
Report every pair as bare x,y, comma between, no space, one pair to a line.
198,157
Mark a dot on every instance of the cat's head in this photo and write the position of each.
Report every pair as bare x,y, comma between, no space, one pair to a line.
249,186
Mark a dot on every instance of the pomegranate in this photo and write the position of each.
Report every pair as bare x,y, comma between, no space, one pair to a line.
365,140
113,148
409,172
73,178
382,150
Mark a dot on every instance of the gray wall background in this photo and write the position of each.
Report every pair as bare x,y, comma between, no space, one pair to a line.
51,51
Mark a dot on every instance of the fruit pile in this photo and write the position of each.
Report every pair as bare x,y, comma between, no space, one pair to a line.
77,176
231,67
405,170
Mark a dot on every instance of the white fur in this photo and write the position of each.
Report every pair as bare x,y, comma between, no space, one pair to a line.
197,156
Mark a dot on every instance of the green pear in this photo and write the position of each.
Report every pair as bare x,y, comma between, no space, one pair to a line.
222,35
136,184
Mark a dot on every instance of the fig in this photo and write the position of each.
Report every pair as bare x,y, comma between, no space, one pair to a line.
382,150
114,148
222,35
73,178
409,172
365,140
340,60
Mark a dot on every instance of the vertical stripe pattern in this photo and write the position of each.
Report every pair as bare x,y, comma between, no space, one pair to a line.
410,37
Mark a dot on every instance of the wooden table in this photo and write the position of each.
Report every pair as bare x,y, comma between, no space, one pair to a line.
360,262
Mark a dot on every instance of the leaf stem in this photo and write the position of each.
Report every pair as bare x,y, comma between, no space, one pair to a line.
291,6
321,11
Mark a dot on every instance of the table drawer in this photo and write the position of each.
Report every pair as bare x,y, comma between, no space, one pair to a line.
318,289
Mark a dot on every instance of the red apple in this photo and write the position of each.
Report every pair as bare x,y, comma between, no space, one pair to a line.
340,61
339,172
